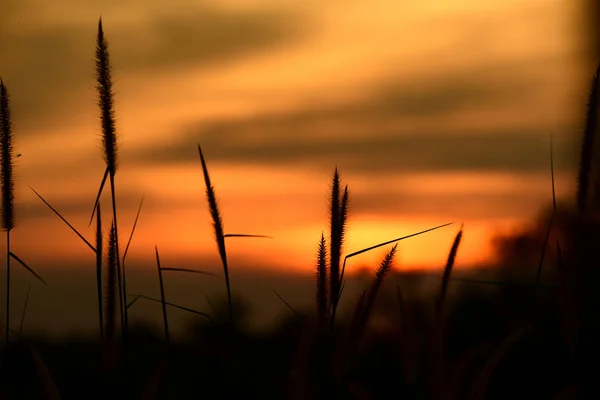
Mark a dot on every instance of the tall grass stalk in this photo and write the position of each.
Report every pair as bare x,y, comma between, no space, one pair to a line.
109,142
111,298
7,187
99,270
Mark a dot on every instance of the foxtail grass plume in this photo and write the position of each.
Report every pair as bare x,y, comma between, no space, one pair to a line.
215,214
322,295
6,161
334,236
105,101
6,186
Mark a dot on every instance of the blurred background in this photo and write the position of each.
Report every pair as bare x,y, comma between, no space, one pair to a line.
434,111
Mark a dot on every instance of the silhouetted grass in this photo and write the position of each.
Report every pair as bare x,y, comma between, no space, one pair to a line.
482,340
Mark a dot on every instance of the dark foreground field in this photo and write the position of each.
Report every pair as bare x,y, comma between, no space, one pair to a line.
500,341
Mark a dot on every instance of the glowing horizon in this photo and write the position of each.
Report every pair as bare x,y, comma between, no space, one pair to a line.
427,126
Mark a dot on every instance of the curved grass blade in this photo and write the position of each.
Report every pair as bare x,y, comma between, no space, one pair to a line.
126,319
27,267
173,305
210,303
356,253
132,302
98,195
65,221
195,271
243,235
292,309
162,295
24,309
549,229
137,215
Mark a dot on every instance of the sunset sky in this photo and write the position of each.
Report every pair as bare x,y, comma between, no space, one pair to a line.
434,111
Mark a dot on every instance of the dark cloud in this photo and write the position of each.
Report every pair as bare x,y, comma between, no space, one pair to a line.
371,136
47,65
457,206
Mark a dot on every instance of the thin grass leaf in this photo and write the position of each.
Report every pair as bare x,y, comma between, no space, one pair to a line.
137,215
24,309
13,255
218,227
210,303
162,296
356,253
64,220
243,235
292,309
132,302
97,201
173,305
342,289
194,271
551,220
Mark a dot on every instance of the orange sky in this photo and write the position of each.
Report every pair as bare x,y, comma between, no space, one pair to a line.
434,111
